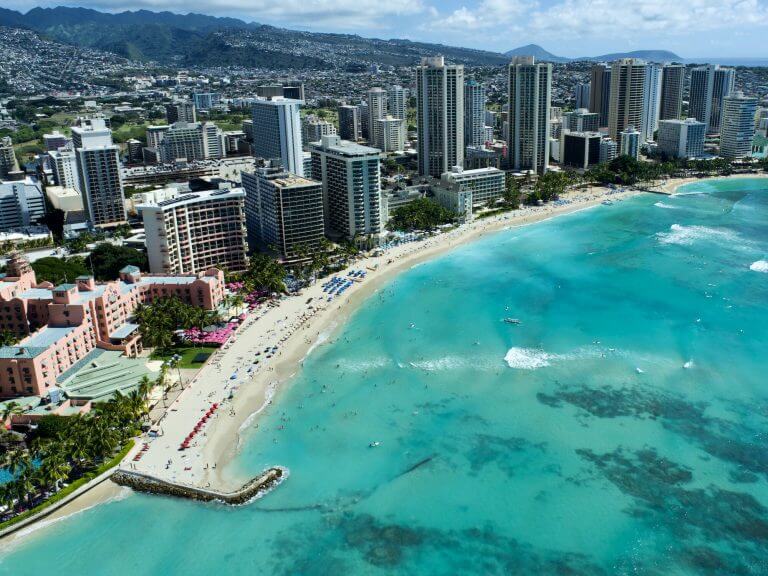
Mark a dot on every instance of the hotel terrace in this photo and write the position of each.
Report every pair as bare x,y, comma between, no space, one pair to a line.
62,325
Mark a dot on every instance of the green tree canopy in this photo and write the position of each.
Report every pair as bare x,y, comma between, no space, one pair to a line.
106,260
420,214
59,270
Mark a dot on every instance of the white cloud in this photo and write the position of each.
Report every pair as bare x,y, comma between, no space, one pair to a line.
486,15
614,19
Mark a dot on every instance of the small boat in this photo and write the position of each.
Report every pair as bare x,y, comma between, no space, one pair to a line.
607,202
639,370
374,444
512,321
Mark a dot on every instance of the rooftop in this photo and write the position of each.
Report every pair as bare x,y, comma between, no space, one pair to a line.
46,336
101,377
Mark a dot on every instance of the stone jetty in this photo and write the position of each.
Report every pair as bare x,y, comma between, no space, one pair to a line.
254,488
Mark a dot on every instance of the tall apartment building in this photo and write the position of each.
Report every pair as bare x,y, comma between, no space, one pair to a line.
214,141
277,132
530,88
682,138
581,95
608,150
365,130
377,109
738,126
651,101
709,85
283,212
629,142
98,167
627,95
194,232
54,141
474,113
672,84
350,174
315,128
349,123
8,163
390,134
21,204
206,100
486,184
64,168
439,116
600,91
397,102
181,111
182,141
155,135
581,120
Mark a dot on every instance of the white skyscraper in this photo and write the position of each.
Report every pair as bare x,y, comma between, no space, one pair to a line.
681,138
440,116
397,102
529,90
738,125
709,85
98,166
474,113
277,132
651,101
64,168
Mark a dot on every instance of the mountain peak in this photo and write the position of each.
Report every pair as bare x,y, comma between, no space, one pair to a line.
537,52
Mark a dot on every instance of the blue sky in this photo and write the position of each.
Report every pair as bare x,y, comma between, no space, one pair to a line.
565,27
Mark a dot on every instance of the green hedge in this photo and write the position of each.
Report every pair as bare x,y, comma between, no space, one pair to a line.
72,487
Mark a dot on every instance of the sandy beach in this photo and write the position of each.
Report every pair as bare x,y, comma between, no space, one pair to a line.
671,186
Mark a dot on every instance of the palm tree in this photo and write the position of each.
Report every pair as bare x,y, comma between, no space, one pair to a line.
10,409
53,470
18,462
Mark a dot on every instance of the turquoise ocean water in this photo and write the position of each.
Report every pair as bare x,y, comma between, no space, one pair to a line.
620,429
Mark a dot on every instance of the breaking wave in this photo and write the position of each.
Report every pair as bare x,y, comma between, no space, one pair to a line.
759,266
528,358
687,235
666,206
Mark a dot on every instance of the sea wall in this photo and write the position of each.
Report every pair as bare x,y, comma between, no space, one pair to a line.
254,488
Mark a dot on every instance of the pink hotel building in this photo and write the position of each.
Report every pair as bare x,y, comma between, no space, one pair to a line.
60,325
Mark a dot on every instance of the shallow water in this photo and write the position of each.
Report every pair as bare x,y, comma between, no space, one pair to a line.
620,429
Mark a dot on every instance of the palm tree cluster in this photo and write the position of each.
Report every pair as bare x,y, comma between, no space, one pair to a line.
158,321
67,448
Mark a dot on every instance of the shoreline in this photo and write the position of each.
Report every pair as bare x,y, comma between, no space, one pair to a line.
298,333
671,186
226,437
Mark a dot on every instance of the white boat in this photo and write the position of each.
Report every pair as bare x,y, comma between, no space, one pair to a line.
511,320
374,444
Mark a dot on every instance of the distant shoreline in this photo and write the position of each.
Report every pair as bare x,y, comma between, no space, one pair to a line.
671,186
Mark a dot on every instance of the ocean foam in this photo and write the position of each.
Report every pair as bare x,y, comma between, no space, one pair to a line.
455,363
527,358
666,206
759,266
687,235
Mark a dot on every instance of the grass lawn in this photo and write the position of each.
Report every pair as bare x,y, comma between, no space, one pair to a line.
187,353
